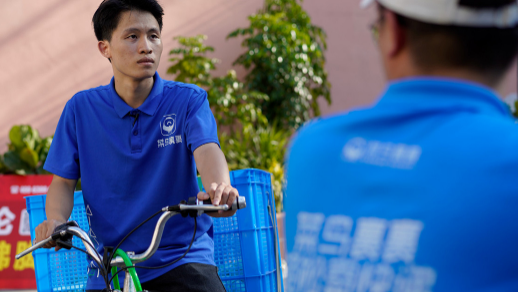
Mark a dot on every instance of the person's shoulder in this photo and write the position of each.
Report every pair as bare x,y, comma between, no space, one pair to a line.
502,124
499,132
484,144
95,90
88,94
327,125
321,129
182,88
318,126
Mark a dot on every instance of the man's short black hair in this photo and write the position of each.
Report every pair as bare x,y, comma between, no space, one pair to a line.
488,52
107,16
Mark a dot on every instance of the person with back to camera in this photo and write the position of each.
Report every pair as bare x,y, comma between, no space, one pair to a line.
136,144
418,192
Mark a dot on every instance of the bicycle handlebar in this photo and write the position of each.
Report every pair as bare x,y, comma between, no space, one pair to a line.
194,205
239,203
33,248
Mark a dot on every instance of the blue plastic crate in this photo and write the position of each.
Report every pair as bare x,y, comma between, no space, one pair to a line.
64,270
244,244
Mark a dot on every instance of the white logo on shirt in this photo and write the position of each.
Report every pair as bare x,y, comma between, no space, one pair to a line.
169,141
355,149
379,153
168,125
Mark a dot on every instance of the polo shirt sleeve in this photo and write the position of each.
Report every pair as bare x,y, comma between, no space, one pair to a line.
63,157
200,126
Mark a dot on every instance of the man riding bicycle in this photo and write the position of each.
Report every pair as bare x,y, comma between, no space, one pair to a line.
420,189
136,145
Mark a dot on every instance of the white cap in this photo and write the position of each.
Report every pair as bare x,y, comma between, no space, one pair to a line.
449,12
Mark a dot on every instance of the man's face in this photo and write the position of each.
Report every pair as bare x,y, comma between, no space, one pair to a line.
135,46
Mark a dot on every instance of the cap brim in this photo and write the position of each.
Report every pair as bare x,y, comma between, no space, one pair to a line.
366,3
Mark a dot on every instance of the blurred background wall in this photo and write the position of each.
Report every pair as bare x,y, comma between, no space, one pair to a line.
48,52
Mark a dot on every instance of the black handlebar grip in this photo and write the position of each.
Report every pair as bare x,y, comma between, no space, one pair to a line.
64,241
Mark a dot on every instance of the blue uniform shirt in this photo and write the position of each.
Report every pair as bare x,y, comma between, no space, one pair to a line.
130,167
418,193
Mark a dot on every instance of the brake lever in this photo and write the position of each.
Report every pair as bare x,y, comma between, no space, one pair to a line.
62,238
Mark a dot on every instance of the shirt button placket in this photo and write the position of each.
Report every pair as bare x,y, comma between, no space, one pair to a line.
136,141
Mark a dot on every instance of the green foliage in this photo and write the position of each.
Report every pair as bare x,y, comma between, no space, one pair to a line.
286,77
515,113
190,63
262,148
27,152
247,140
286,57
233,106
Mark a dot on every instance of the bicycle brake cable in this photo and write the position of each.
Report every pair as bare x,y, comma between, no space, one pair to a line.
103,271
163,266
126,237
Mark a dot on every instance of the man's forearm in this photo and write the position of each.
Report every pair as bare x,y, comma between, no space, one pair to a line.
60,199
212,165
213,169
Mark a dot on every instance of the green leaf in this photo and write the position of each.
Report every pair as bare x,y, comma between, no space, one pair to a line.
40,170
43,149
15,164
78,185
15,135
30,157
3,167
24,136
26,152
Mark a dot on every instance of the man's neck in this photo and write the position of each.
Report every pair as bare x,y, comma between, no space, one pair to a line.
403,72
454,74
133,92
404,67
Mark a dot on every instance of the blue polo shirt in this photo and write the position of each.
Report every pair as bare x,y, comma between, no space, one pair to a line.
418,193
131,166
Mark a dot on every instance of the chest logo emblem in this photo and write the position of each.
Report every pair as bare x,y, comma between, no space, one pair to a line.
168,125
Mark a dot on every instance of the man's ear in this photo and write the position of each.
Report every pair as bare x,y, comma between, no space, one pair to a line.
396,35
104,48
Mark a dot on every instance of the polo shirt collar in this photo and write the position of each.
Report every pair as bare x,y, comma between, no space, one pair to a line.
149,106
429,93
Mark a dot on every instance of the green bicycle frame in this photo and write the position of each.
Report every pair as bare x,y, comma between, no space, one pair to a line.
132,272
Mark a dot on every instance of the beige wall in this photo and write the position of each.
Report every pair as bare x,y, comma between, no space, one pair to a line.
48,52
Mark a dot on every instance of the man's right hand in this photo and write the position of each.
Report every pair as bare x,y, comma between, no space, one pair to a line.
45,230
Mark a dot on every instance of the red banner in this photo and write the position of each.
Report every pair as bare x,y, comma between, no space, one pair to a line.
15,229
